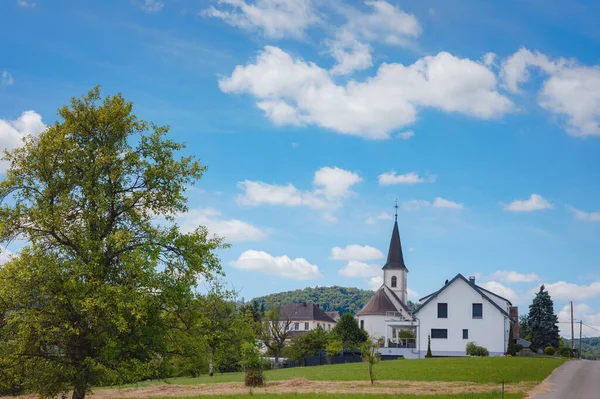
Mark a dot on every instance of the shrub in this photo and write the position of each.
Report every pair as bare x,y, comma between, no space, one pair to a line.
565,352
549,351
513,349
474,350
253,366
428,354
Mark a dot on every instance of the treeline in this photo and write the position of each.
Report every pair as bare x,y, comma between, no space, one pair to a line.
590,347
335,298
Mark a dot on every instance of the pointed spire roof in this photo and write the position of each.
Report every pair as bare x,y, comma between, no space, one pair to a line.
395,259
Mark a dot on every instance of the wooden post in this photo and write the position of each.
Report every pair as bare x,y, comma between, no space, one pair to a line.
572,331
580,328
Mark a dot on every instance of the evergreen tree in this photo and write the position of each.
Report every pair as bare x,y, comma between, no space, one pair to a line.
348,331
428,354
542,321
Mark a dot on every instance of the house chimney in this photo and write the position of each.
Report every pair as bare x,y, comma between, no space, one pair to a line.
472,280
513,311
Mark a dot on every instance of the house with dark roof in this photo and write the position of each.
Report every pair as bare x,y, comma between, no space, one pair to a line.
387,312
304,317
462,311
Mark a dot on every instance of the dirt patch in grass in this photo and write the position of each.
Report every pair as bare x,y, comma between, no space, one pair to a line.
301,385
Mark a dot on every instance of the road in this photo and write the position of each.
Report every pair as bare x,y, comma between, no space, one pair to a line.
578,379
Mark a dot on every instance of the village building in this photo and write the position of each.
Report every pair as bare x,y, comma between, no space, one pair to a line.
304,317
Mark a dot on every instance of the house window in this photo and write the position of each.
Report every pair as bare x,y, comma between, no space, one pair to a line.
329,327
439,333
394,281
362,324
478,310
296,326
306,326
465,334
442,310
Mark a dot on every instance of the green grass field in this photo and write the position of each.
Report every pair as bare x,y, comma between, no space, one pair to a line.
491,395
479,370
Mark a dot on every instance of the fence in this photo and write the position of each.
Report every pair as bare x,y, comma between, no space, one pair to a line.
321,359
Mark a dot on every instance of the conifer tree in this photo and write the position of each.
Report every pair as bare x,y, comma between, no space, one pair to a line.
542,321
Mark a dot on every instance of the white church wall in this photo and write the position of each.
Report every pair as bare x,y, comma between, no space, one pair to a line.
490,331
373,324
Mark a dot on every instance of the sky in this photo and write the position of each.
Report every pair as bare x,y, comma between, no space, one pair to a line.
481,119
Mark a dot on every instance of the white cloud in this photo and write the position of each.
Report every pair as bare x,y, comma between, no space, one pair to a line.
510,276
438,202
389,178
12,132
5,256
282,266
375,107
355,268
375,282
25,4
330,218
405,135
581,311
233,230
381,216
152,5
534,203
385,23
562,290
6,79
585,216
489,59
571,91
356,252
275,19
331,186
500,289
412,294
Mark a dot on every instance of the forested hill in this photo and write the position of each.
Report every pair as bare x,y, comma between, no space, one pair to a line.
590,347
341,299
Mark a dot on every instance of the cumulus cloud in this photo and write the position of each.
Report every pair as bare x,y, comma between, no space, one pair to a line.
381,216
331,186
152,5
355,268
584,216
375,282
438,202
562,290
5,255
405,135
390,178
571,91
6,79
26,4
500,289
412,294
373,108
356,252
489,59
510,276
581,311
384,23
534,203
282,266
274,19
233,230
12,132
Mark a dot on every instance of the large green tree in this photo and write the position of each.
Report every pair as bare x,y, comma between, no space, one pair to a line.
348,331
99,293
542,322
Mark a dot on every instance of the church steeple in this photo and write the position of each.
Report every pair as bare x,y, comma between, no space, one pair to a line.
395,259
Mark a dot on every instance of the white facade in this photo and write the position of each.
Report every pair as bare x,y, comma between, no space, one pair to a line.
395,279
308,325
490,331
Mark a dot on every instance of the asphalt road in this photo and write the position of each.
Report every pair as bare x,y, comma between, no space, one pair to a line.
575,380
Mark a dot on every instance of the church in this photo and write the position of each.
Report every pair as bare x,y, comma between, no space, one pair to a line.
459,312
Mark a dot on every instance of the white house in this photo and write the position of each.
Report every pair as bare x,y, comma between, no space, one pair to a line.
459,312
304,317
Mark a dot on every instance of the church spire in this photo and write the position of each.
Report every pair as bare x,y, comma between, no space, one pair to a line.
395,259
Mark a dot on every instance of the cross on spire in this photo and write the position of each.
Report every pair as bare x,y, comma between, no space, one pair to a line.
396,207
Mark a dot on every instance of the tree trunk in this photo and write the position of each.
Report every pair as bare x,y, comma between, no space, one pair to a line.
211,369
276,365
79,390
371,373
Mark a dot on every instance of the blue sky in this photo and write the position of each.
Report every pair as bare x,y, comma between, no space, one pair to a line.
313,117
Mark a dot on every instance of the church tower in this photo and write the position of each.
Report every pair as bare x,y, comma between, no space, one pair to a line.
395,271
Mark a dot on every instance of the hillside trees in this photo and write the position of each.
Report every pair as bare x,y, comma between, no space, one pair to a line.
542,322
99,292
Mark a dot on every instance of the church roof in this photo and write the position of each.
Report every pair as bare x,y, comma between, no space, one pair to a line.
379,304
395,259
305,311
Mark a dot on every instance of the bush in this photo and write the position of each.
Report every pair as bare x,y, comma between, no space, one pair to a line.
549,351
513,349
428,354
474,350
565,352
253,366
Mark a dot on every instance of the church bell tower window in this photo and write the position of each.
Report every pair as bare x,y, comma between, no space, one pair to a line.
394,281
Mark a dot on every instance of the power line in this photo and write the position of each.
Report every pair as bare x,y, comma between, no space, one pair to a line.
593,328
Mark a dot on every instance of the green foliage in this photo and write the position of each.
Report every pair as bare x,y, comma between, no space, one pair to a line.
308,344
370,354
513,348
428,354
564,351
524,329
473,350
334,346
273,332
340,299
348,331
100,292
253,365
590,347
406,334
549,351
542,321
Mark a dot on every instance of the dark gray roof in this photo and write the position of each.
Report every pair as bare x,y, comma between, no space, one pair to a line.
475,287
395,259
304,311
379,304
335,315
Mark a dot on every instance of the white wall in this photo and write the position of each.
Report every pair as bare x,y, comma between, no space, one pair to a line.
374,324
312,324
400,288
490,332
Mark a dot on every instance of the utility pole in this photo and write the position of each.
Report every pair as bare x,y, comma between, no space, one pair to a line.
580,328
572,331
